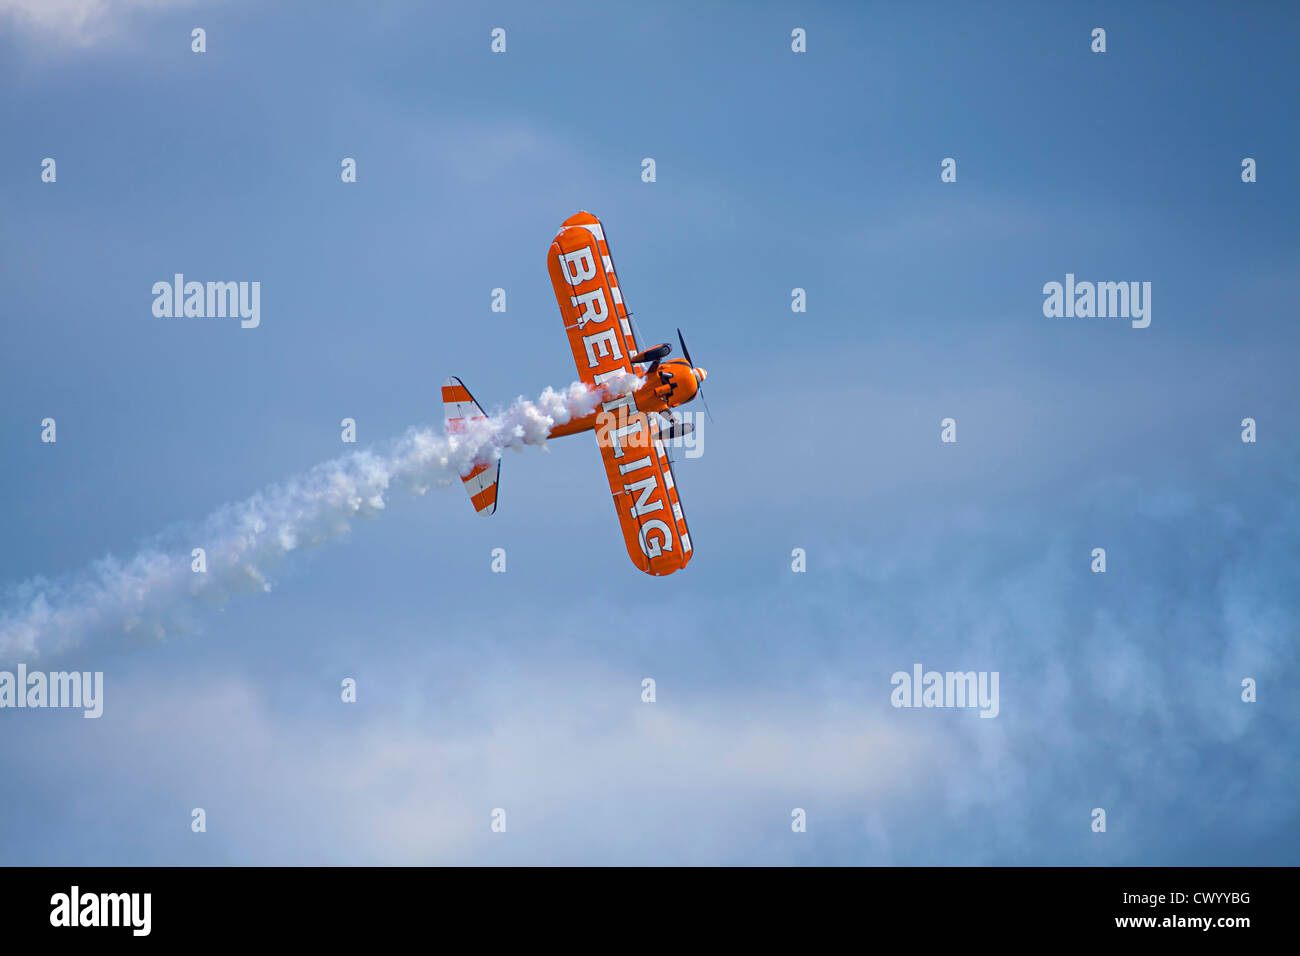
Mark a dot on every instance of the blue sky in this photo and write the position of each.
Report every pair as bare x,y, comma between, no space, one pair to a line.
775,170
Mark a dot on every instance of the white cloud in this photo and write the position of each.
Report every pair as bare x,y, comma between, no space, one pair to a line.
79,23
583,776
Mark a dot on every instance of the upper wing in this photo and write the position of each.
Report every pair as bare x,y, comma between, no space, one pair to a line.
590,300
636,466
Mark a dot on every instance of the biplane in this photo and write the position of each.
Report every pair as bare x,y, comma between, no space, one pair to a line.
630,428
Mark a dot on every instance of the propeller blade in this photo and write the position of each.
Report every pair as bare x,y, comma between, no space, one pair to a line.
685,352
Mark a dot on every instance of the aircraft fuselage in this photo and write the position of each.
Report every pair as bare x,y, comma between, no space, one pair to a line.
673,383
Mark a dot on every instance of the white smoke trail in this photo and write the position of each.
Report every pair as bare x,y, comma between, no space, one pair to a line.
151,593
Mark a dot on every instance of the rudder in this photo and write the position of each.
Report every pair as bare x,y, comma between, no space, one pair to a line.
459,407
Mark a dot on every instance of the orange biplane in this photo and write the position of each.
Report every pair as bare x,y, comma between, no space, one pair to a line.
628,427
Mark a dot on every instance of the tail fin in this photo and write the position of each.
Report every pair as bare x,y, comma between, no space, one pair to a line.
459,407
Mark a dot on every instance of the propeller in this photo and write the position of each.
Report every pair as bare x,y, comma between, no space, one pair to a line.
700,391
